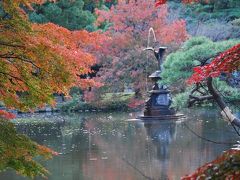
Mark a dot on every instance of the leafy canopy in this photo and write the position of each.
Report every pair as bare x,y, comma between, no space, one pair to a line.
226,62
68,14
37,60
178,67
124,63
17,152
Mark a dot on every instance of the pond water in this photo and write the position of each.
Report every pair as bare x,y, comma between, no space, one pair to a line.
104,146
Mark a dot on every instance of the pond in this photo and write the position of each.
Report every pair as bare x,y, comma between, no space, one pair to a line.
104,146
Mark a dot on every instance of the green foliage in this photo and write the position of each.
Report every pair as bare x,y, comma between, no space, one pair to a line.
75,91
223,4
236,22
180,100
178,67
226,9
212,19
229,93
72,104
17,152
69,14
196,41
115,101
108,102
90,5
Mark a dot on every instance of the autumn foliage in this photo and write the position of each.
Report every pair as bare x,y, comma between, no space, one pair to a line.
226,166
124,63
17,152
6,115
226,62
160,2
37,60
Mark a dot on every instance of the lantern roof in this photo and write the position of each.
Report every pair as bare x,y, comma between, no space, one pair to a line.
156,74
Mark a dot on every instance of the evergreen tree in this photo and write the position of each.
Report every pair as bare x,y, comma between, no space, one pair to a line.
178,67
69,14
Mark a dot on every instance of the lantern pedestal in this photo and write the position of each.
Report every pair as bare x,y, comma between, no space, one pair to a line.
158,105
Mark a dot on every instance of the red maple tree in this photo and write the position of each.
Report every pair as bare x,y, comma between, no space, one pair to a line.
37,60
122,58
226,62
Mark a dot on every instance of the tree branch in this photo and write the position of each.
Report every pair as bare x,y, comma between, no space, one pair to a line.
201,98
14,77
10,56
10,45
226,112
193,99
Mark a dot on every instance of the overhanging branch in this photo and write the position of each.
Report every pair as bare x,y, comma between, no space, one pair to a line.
226,112
194,99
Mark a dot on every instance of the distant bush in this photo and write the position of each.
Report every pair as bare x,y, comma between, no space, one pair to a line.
236,22
108,102
69,14
72,104
212,19
180,100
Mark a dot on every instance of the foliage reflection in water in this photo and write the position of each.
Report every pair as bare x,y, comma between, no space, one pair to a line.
106,147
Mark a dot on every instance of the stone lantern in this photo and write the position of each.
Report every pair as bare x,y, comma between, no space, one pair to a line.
157,107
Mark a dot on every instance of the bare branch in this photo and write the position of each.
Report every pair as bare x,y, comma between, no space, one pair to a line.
193,99
10,45
201,98
9,56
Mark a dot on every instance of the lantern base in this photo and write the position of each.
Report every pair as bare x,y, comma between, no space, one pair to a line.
162,117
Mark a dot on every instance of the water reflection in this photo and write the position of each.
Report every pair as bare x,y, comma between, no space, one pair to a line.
106,147
41,131
162,135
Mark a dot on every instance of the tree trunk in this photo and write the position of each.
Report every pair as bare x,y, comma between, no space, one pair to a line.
226,112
